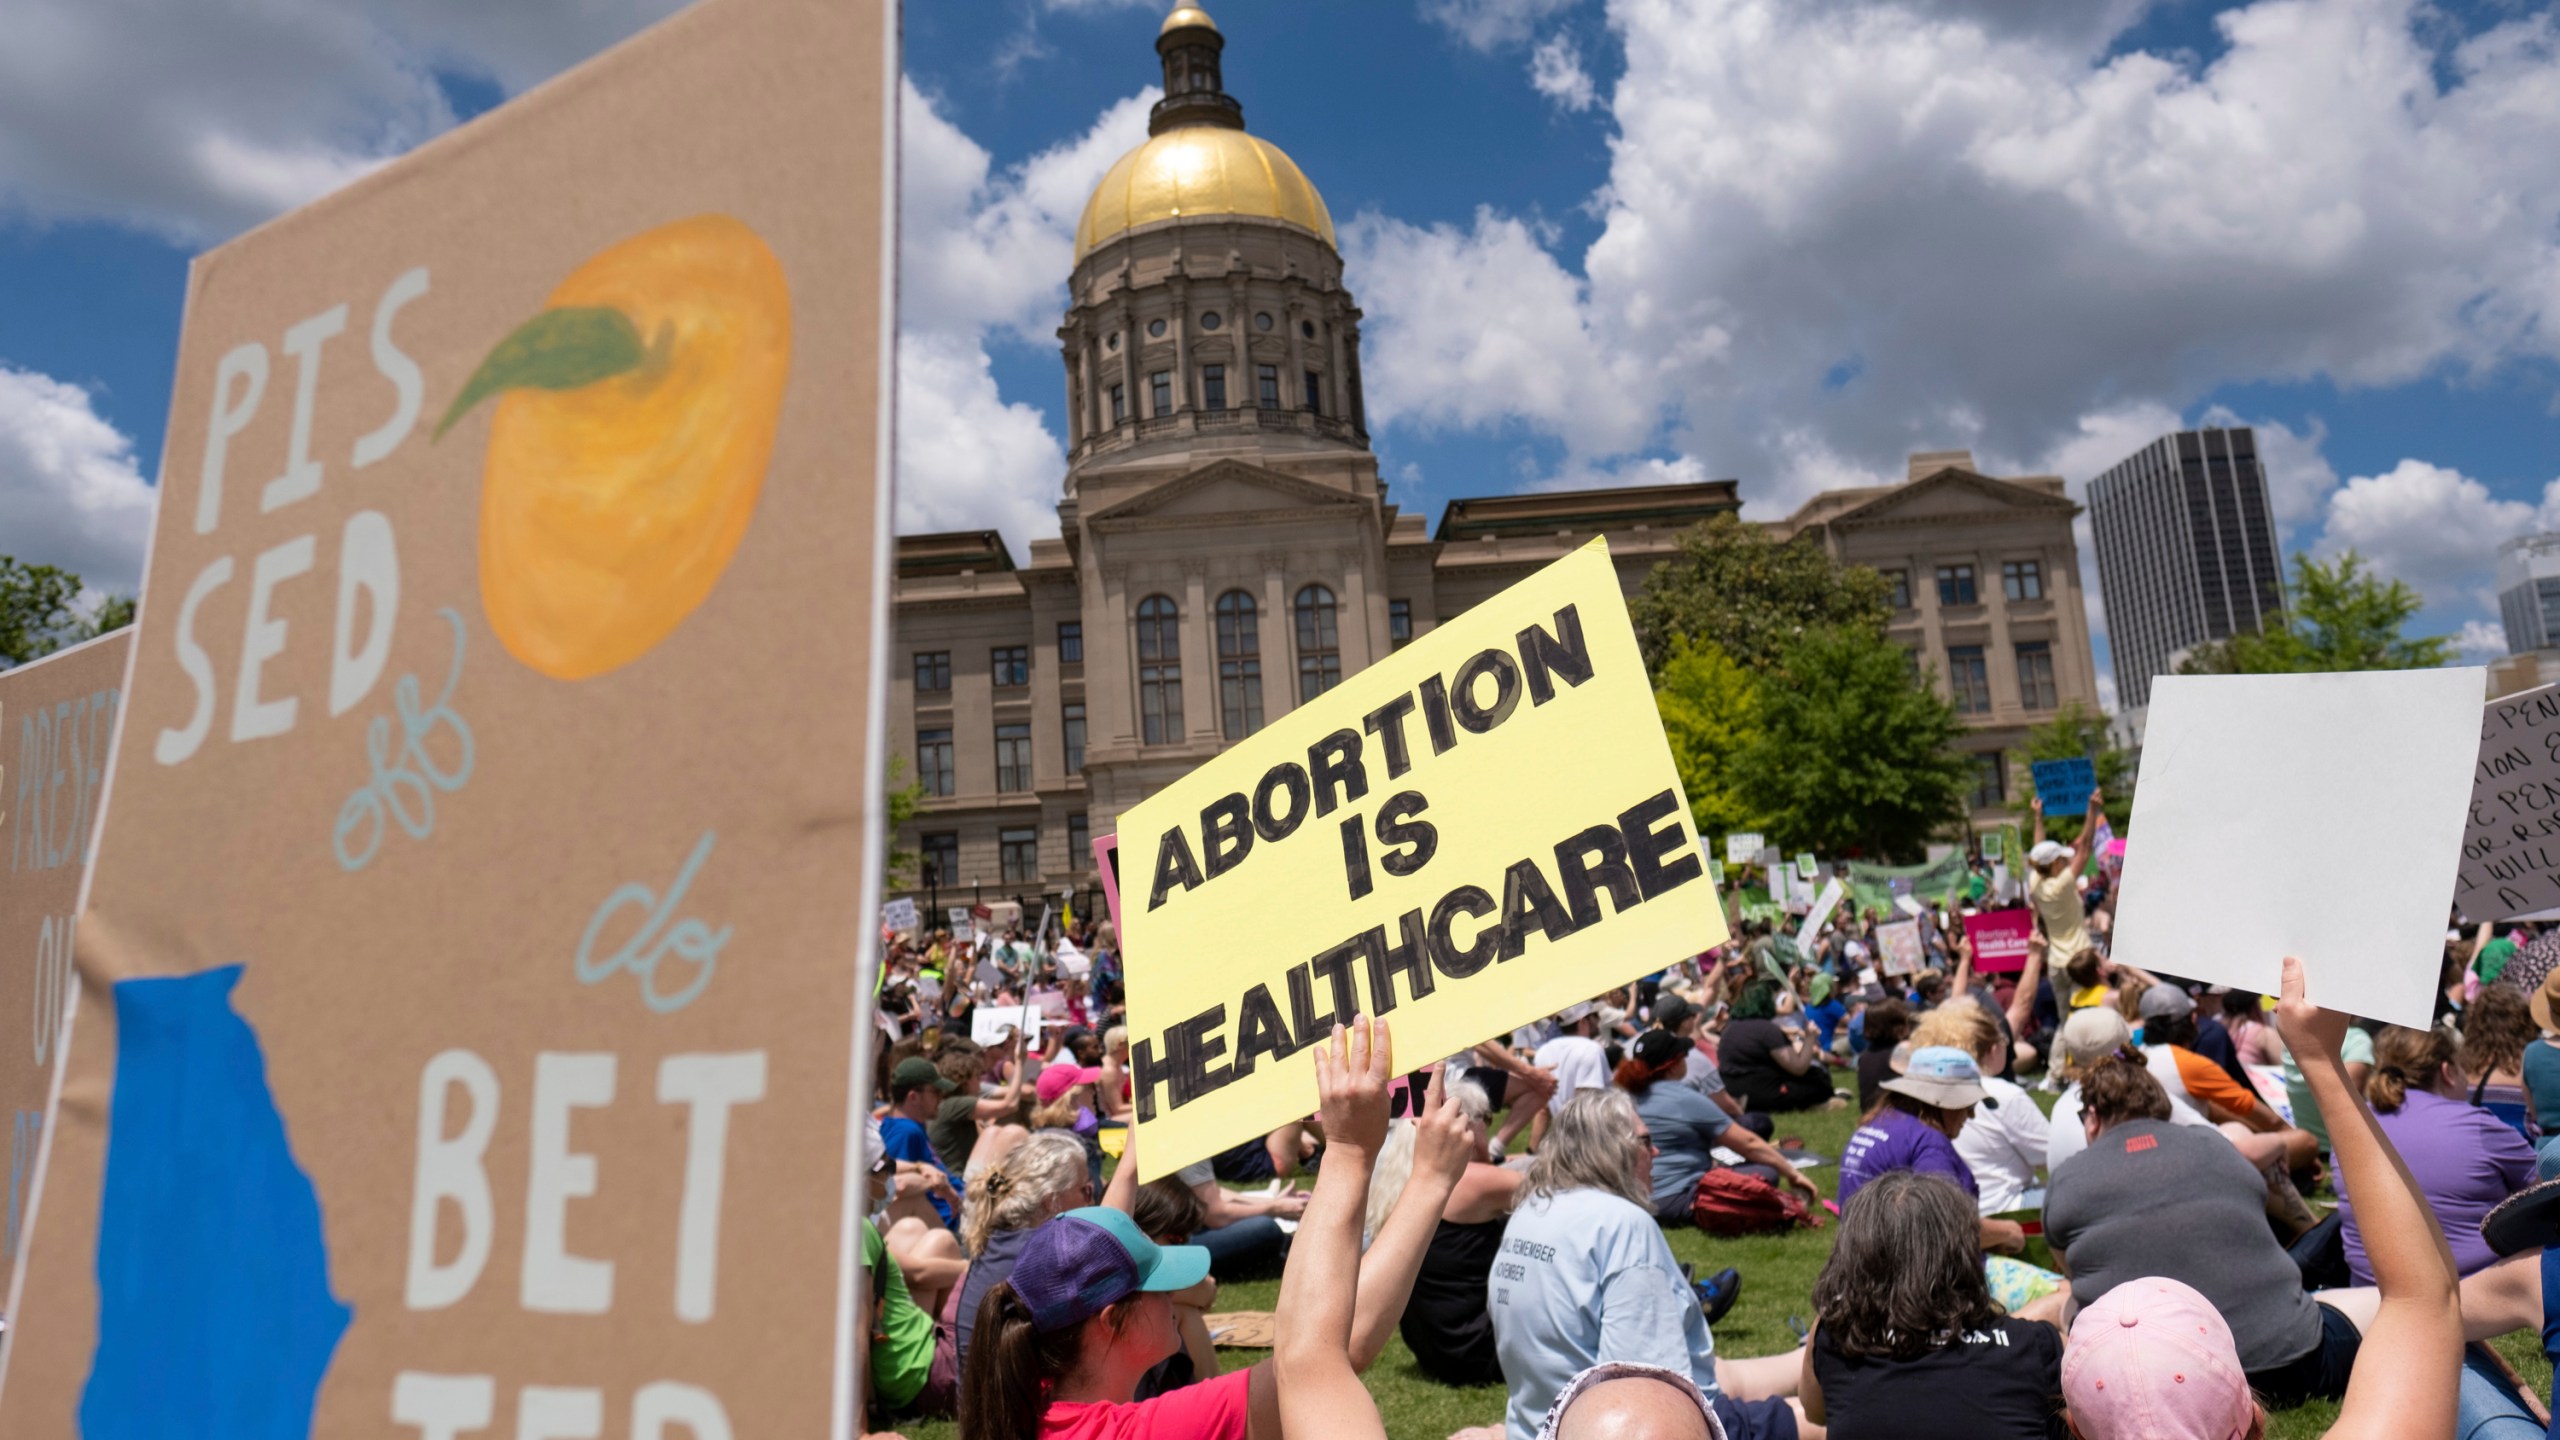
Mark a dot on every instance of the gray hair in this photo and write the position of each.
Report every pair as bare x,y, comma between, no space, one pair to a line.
1017,1192
1590,1146
1395,1158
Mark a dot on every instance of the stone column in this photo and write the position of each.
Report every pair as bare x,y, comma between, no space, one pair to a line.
1201,714
1294,315
1337,378
1129,342
2008,703
1351,624
1078,382
1279,638
1181,346
1110,658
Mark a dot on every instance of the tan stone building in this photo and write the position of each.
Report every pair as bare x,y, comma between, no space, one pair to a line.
1227,550
1987,597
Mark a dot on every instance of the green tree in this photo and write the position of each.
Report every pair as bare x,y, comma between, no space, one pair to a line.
905,797
1750,596
2338,616
40,612
1854,757
37,610
2074,732
1710,709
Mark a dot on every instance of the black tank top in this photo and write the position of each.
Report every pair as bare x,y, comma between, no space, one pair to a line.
1446,1324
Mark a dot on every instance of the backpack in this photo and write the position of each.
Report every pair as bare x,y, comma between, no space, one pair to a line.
1730,1203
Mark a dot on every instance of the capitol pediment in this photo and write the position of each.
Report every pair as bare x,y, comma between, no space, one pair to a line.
1954,494
1225,491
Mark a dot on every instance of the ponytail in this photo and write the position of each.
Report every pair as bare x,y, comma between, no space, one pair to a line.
1011,1369
1636,1077
2405,1059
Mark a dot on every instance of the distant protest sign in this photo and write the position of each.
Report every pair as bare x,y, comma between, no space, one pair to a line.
1874,887
1480,829
2511,848
1818,911
472,960
2319,816
57,718
899,916
1743,847
1900,947
2066,785
992,1025
2000,939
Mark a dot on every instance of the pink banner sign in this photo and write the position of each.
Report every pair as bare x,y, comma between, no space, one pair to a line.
1999,939
1106,861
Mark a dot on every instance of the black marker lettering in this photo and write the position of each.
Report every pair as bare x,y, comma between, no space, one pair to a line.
1646,846
1409,957
1452,961
1585,877
1435,715
1506,691
1226,832
1287,779
1334,762
1396,826
1355,857
1387,723
1174,866
1260,1031
1564,653
1528,900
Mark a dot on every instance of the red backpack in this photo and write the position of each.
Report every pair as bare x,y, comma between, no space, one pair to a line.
1730,1203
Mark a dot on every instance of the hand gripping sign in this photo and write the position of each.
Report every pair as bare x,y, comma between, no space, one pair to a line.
1481,828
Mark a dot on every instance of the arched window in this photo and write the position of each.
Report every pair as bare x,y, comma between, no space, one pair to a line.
1319,644
1239,665
1160,671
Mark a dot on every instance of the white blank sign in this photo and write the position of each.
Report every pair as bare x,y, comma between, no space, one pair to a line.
2310,815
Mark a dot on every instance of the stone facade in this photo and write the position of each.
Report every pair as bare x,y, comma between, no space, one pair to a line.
1227,550
1987,580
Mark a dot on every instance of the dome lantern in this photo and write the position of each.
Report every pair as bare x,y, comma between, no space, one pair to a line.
1194,94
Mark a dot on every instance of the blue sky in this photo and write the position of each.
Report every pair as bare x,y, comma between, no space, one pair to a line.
1598,241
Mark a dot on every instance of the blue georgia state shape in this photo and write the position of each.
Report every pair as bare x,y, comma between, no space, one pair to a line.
215,1316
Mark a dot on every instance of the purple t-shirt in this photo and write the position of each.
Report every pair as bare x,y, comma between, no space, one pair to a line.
1898,1141
2465,1161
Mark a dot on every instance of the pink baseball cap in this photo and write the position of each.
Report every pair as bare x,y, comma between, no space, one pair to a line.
1057,1080
2153,1360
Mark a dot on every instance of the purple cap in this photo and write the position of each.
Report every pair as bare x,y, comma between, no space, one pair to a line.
1085,1260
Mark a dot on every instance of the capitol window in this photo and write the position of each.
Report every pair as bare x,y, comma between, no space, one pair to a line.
1160,392
1319,643
1159,671
1239,665
1210,321
1155,328
1307,328
1262,321
1213,387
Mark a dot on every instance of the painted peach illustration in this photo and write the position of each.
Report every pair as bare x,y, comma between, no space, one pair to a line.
635,417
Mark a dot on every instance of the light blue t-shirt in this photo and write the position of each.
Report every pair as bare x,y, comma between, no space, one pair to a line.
1584,1277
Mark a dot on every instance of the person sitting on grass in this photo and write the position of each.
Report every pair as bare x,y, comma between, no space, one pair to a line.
2003,1141
2153,1356
2465,1159
1767,1066
1043,1177
1064,1343
1586,1276
1677,1015
2168,1016
1445,1324
1907,1341
1914,1126
1620,1400
2152,1198
1687,1127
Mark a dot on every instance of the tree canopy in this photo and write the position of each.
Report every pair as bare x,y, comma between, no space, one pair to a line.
1710,710
2338,616
1733,587
40,611
1853,757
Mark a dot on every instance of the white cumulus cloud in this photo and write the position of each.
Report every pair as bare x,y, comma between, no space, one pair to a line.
1555,71
1491,24
1836,231
2432,526
69,493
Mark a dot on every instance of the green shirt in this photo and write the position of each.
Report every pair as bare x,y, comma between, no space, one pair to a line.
2356,1049
2493,960
902,1340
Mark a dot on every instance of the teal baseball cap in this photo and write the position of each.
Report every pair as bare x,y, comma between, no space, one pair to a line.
1079,1264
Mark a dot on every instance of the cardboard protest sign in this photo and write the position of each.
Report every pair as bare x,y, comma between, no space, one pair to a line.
1715,873
2511,847
1807,868
2000,939
1743,847
1481,828
1106,864
2065,785
958,918
1991,846
990,1024
486,895
1824,902
900,916
2311,815
1900,947
57,718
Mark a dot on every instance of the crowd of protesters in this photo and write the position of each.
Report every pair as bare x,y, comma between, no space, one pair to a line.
2073,1203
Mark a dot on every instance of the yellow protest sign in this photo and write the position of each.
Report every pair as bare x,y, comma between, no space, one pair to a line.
1482,828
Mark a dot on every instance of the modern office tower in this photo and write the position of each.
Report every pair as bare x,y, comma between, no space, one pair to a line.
2529,592
2186,551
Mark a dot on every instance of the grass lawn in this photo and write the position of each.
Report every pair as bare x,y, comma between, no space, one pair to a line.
1778,1273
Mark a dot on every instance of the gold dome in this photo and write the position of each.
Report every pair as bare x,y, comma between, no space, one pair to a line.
1187,16
1200,171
